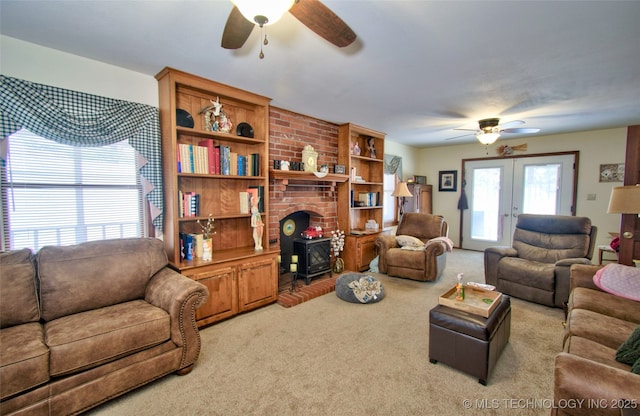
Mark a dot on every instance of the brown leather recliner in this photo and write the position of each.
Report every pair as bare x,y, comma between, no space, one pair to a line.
426,264
536,268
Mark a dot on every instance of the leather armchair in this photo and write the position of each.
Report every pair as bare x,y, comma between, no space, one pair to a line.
536,267
426,264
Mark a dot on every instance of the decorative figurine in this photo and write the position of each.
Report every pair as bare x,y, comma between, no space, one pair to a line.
356,149
257,224
210,113
224,124
371,146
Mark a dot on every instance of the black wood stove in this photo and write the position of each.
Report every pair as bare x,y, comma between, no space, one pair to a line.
314,257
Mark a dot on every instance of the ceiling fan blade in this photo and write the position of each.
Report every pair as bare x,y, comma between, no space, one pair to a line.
459,137
236,31
467,129
510,124
317,17
520,130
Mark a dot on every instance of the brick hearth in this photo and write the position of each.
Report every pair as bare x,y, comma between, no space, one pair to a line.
302,293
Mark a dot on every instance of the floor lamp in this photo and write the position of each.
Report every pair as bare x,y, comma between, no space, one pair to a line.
401,192
626,200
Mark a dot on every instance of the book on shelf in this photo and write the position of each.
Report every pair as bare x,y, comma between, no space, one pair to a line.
258,191
211,154
244,202
369,199
186,246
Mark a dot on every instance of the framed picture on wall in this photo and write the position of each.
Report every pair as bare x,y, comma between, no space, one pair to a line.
448,181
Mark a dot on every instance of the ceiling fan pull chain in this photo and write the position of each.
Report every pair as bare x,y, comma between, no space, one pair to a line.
265,42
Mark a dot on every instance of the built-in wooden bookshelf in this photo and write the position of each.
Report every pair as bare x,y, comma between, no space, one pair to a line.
238,277
360,199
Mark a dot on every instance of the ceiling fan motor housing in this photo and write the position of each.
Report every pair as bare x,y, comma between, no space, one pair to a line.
488,124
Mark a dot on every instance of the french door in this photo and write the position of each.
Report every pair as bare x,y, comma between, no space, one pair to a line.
498,190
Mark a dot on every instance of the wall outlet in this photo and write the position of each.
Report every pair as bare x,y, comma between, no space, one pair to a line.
591,197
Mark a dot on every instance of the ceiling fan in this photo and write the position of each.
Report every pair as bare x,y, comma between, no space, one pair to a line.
312,13
489,129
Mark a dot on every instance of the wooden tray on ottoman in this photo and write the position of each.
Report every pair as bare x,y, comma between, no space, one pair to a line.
473,300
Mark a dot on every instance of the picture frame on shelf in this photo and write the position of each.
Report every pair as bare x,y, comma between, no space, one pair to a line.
339,169
448,181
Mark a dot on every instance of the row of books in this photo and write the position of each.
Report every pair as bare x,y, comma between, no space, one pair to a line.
188,204
207,158
366,199
190,246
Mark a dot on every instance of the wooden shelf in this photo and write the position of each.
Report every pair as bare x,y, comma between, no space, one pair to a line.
288,175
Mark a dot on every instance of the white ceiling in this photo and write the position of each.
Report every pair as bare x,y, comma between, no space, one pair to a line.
418,69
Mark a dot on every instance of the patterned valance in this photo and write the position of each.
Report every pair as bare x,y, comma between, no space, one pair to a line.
80,119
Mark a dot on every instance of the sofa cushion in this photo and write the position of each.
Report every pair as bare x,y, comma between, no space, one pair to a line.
89,339
605,303
96,274
603,329
18,297
527,273
629,351
24,358
593,351
406,258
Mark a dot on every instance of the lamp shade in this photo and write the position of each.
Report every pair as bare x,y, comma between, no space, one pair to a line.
272,10
625,200
401,190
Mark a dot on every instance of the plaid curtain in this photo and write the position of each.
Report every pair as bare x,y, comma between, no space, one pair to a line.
80,119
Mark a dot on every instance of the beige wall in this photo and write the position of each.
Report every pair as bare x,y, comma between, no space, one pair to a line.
35,63
596,147
48,66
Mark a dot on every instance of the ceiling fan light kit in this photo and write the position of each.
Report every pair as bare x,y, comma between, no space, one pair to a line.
263,12
487,138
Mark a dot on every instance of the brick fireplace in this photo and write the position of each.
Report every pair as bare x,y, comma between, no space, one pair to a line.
289,133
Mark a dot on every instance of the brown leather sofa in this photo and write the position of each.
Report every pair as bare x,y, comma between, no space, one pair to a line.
587,378
536,267
426,264
83,324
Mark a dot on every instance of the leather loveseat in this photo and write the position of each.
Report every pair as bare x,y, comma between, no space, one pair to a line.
83,324
588,379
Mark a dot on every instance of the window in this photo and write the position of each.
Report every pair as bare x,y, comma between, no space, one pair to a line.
390,207
56,194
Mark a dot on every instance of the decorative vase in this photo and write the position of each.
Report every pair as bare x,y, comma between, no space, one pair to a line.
338,266
207,249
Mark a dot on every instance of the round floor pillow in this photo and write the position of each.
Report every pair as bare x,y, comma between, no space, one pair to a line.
359,288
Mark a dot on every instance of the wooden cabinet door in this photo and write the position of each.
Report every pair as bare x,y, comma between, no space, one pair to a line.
366,251
257,284
223,297
421,200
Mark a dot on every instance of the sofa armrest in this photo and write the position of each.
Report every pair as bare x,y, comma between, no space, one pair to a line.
492,256
180,297
577,378
383,244
581,275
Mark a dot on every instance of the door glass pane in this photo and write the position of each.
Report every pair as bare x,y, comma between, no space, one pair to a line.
485,209
541,189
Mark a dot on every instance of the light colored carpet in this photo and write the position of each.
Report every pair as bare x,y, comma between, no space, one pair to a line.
330,357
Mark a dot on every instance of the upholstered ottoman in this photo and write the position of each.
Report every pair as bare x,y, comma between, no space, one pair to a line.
467,342
359,288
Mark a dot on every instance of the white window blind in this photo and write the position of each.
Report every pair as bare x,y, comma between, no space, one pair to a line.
55,194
